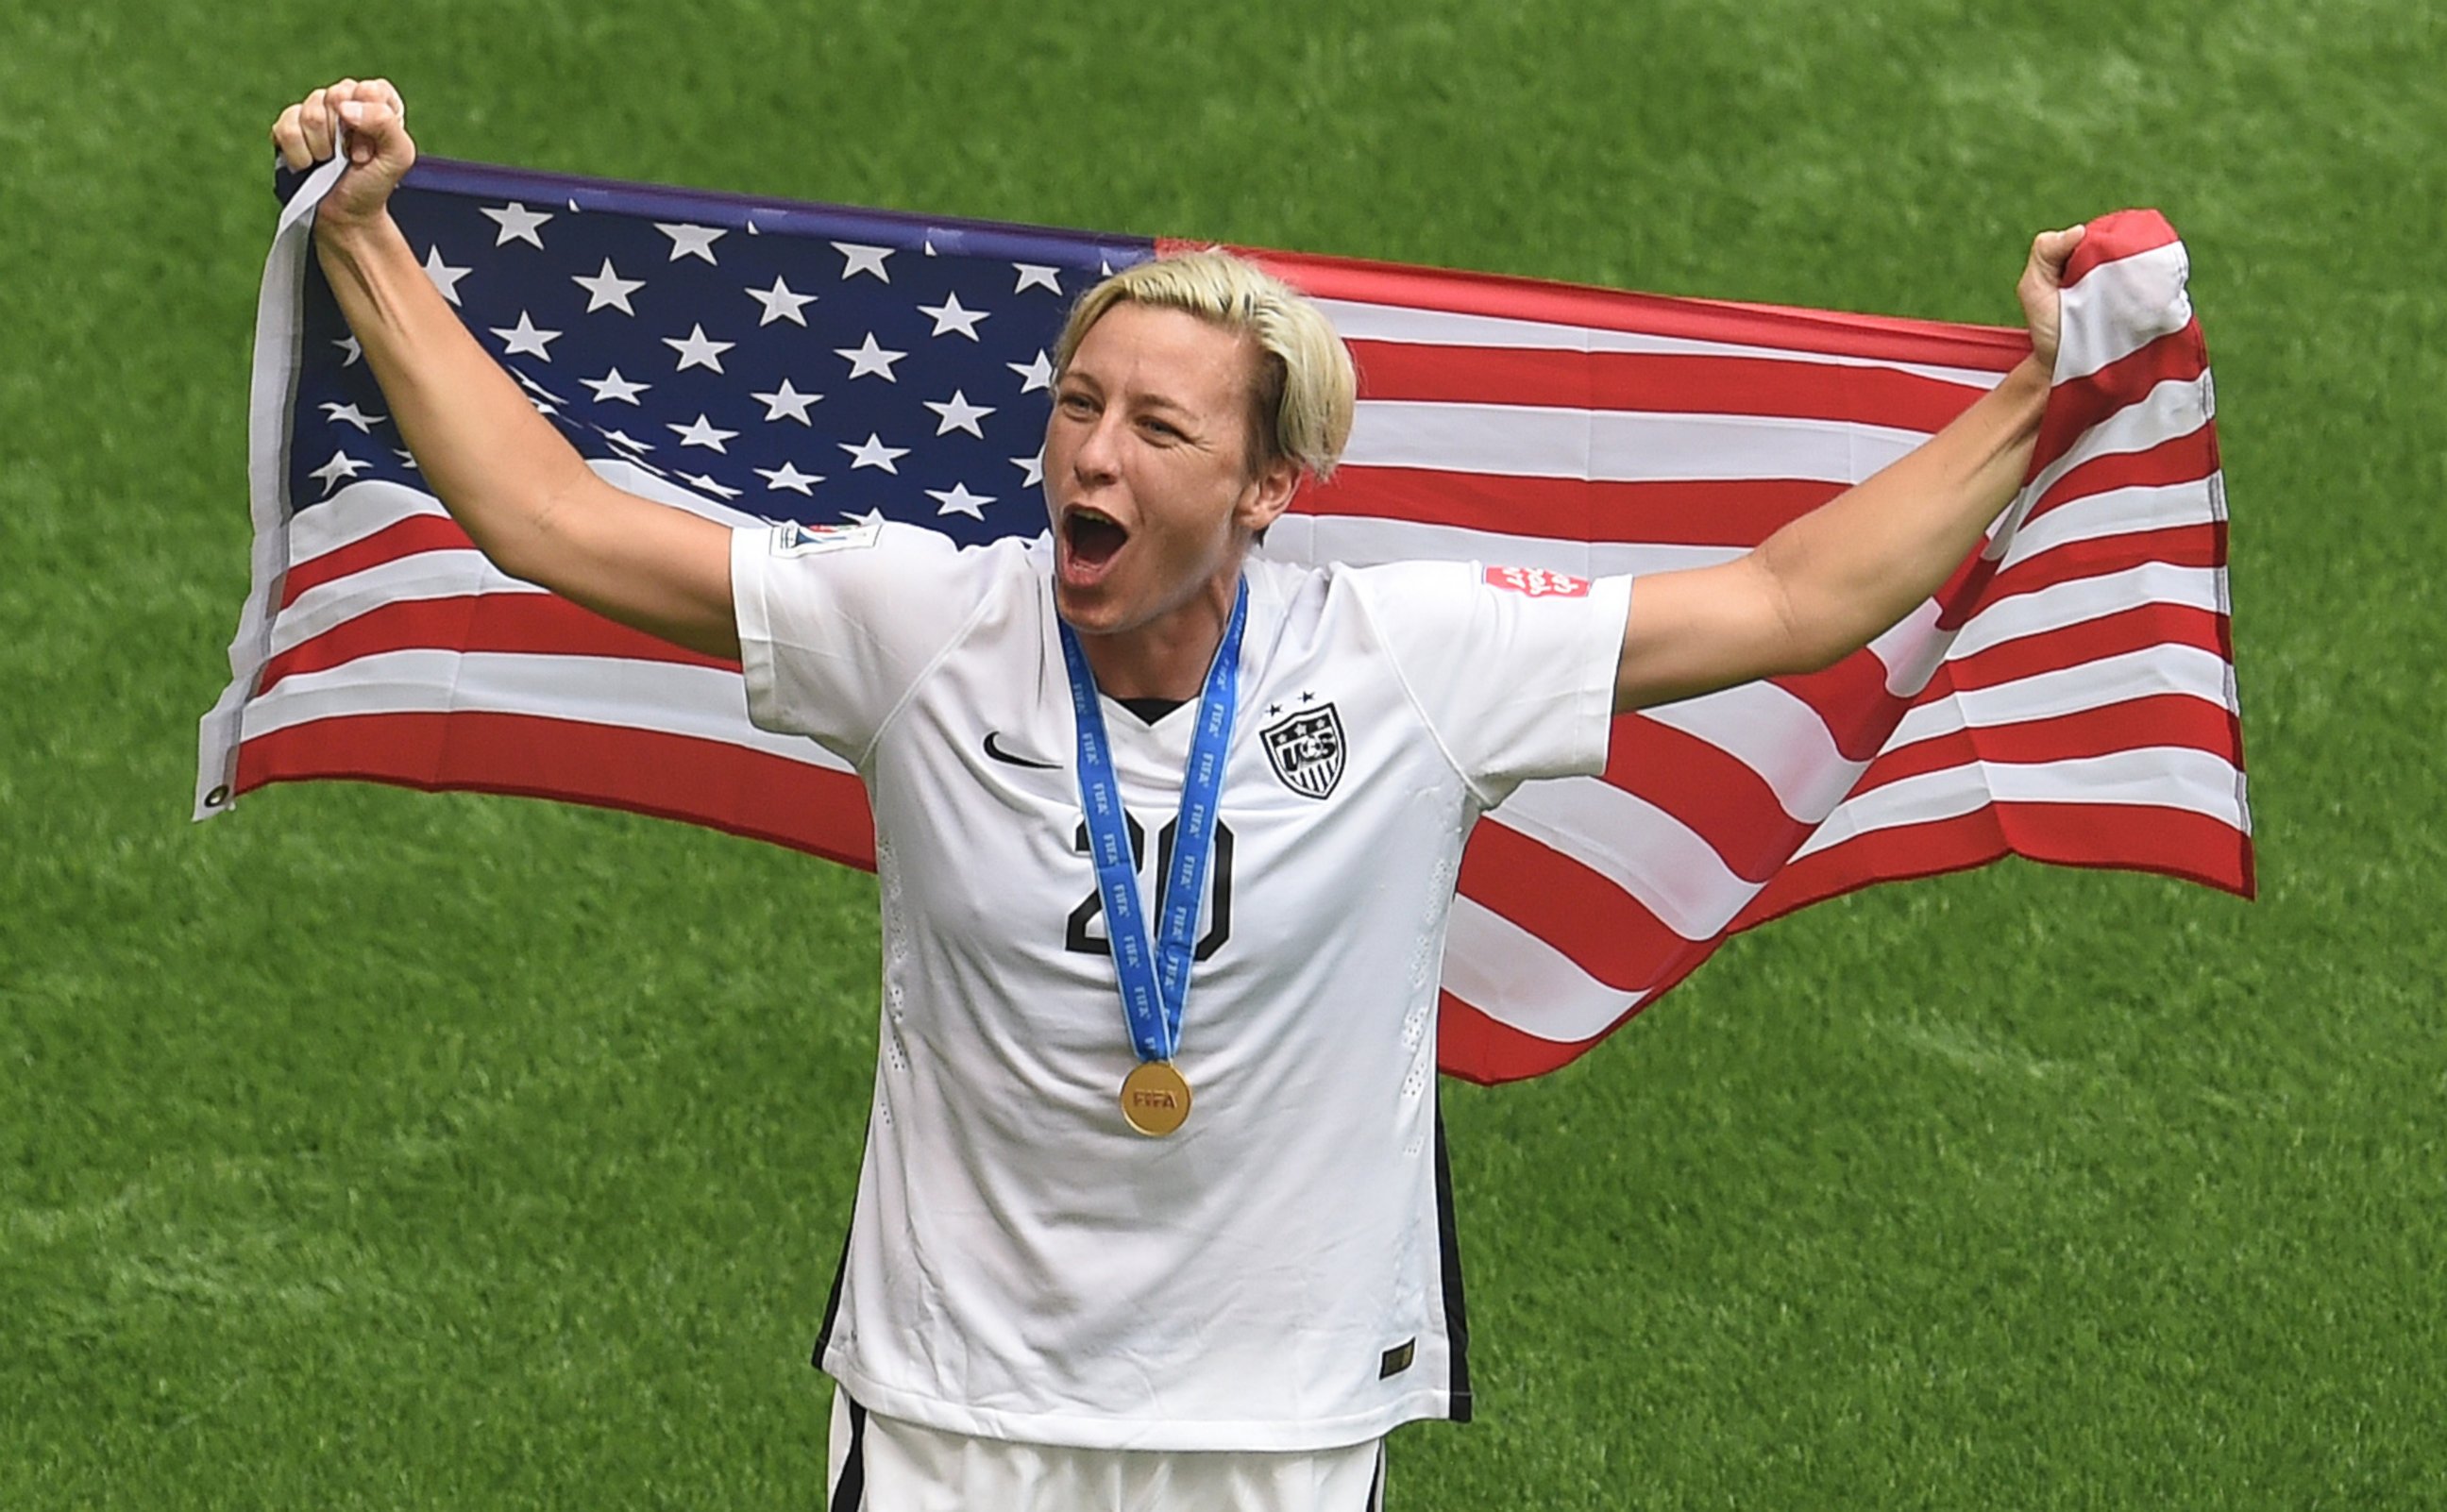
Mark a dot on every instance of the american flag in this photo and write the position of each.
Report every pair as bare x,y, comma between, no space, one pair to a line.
2069,697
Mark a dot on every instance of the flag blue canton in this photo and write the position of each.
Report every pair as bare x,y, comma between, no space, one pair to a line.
791,361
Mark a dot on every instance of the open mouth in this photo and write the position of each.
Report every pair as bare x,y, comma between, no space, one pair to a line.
1092,537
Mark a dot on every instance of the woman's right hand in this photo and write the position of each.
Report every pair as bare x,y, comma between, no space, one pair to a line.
379,149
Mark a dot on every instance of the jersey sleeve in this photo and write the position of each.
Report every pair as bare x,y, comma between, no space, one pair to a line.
838,623
1512,667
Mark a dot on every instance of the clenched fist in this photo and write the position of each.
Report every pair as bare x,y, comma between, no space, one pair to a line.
374,120
2043,291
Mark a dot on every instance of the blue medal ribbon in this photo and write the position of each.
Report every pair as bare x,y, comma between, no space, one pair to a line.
1155,978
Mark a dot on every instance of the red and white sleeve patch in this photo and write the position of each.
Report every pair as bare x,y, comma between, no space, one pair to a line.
1538,583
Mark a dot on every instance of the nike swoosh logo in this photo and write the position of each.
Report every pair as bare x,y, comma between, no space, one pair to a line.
995,750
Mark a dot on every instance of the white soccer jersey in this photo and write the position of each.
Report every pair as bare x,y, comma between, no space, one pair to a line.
1279,1275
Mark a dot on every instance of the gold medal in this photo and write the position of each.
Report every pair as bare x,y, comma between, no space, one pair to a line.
1155,1099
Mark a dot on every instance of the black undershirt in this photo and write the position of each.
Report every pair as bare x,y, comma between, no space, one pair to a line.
1151,709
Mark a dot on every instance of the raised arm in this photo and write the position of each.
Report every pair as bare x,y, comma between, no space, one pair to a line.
1836,578
521,491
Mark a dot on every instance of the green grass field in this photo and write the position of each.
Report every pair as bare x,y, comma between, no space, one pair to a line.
367,1149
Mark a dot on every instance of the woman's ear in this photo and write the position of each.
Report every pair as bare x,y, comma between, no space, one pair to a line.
1269,494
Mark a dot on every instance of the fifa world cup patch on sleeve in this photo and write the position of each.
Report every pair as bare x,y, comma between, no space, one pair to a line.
790,539
1537,582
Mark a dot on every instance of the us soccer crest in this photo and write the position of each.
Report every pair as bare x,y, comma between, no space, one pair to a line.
1306,751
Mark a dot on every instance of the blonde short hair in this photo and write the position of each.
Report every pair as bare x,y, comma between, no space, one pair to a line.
1301,401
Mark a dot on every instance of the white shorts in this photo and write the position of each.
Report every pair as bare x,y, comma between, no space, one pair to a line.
888,1465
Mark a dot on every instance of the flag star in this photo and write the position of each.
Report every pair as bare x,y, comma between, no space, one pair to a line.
407,459
614,389
608,287
1037,275
873,453
858,259
958,501
868,357
445,276
958,414
780,303
718,490
1033,467
518,223
788,477
702,432
1034,375
696,351
524,337
692,241
788,401
871,517
350,353
351,415
1104,267
341,466
949,316
626,442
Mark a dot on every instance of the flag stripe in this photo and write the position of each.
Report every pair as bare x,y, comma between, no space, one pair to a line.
2118,241
1542,440
2157,776
1618,941
429,575
2170,410
2189,460
2059,605
2177,843
2126,631
648,771
1363,321
2154,720
1480,1048
405,538
2197,546
2115,512
2146,288
2176,360
1496,962
1361,541
1765,327
2103,680
514,623
1657,384
701,702
1734,514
